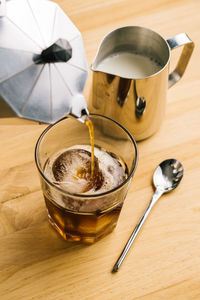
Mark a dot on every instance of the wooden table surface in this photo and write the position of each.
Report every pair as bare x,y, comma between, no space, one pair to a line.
35,263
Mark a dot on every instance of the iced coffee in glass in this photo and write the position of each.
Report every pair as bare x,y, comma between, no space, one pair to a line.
84,202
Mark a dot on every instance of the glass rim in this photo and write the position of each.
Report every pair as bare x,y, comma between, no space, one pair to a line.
86,196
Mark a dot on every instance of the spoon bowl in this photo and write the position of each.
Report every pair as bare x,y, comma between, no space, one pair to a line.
168,175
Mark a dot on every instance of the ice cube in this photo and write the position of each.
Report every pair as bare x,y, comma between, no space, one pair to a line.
72,170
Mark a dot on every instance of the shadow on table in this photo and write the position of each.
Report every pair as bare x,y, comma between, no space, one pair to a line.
5,110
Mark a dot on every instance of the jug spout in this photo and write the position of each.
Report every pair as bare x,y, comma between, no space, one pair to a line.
104,50
109,47
79,108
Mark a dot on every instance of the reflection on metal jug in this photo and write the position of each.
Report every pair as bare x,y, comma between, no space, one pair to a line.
137,102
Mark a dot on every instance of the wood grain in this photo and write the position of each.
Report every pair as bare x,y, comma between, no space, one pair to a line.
35,263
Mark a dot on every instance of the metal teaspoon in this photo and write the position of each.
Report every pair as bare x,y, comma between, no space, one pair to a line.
166,177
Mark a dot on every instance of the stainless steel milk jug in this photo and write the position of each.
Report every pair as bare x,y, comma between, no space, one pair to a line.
137,103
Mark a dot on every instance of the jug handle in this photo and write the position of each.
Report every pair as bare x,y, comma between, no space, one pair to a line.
178,40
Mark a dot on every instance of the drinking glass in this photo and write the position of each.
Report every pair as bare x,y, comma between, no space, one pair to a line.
85,217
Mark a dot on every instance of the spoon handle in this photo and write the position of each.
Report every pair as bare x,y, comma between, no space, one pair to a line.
156,196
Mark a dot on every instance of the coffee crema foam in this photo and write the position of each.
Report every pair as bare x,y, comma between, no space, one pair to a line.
70,169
